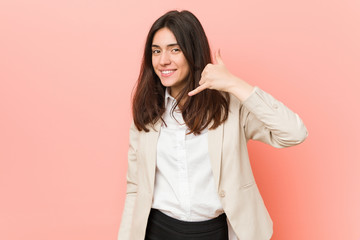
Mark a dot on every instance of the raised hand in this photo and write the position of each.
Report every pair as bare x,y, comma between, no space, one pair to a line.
217,76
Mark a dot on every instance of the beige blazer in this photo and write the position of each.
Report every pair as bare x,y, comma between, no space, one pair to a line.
260,117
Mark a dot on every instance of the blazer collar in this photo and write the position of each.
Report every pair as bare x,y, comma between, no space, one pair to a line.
215,141
150,150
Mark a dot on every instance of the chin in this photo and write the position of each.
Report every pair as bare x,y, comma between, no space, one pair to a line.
167,83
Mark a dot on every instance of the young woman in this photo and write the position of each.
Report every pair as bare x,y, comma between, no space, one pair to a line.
189,175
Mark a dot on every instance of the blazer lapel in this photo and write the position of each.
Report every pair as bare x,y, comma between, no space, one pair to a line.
215,140
151,151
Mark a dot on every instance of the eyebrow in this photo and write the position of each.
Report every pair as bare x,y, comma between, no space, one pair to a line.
169,45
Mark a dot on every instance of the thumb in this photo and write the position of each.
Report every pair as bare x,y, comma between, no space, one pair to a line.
218,57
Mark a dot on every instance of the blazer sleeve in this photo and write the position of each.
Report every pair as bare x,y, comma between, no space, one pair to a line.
131,186
268,120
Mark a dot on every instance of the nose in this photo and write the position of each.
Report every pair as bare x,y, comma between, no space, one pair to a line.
165,58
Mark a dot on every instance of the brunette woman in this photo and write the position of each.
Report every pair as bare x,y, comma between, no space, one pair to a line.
189,174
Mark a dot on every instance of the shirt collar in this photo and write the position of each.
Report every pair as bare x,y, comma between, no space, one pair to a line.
168,97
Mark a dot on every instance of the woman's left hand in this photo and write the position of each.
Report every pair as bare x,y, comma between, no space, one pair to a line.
217,76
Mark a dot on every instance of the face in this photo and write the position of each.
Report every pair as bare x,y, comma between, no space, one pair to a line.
168,61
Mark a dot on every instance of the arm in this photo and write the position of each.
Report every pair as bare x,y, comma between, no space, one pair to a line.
266,119
131,187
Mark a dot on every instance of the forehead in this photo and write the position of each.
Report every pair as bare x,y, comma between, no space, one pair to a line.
164,37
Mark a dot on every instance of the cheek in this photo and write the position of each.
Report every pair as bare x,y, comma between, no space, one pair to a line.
184,65
154,66
186,68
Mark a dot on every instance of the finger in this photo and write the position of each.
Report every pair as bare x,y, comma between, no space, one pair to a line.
201,80
197,90
218,57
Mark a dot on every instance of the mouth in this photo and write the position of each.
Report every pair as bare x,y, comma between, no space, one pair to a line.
167,73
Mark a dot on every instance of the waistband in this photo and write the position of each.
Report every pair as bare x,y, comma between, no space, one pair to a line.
188,227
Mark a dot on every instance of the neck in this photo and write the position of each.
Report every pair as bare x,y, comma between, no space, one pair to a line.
174,94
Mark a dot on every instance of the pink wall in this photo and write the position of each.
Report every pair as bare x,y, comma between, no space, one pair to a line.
66,73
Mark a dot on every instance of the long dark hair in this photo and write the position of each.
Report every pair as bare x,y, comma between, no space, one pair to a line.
199,110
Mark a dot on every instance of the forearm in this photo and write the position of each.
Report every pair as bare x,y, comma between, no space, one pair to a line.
126,220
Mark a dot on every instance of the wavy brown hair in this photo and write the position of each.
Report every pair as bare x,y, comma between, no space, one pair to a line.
199,110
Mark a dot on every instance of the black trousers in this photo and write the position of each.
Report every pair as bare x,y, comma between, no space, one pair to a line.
163,227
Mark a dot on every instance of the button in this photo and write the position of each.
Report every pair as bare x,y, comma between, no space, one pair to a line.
222,193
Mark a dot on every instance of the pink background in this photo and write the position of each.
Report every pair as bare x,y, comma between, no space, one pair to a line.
67,69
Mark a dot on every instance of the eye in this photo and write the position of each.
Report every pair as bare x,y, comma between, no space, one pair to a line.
175,50
155,51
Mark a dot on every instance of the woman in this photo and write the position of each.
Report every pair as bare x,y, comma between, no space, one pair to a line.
189,175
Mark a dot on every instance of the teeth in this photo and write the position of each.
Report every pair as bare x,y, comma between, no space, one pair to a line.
167,71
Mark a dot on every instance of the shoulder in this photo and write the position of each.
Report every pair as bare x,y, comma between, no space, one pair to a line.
238,112
234,101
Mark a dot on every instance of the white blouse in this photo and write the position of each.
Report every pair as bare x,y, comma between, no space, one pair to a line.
184,184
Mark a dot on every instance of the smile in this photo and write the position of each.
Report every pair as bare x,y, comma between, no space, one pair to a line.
167,73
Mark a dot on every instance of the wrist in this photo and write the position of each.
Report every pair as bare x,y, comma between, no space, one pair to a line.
241,89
